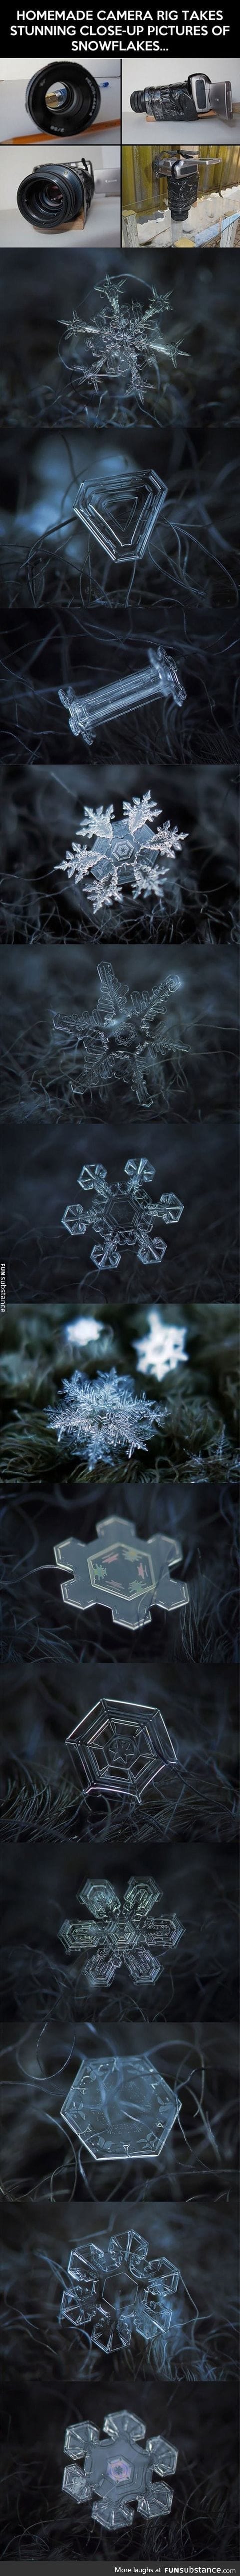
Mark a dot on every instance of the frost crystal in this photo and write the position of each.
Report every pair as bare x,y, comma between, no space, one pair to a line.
122,342
125,1039
118,2472
104,1417
128,1575
108,856
162,1347
121,2108
116,2293
128,1934
158,678
123,1212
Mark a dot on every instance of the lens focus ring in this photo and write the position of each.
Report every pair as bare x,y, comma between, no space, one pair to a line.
63,100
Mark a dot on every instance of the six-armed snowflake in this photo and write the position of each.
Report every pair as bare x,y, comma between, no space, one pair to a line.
110,855
131,1934
117,2473
125,1039
123,1213
116,2292
122,342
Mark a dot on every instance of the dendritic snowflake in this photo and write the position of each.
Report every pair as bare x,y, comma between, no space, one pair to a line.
122,342
108,856
123,1212
121,2476
116,2293
130,1935
104,1416
125,1039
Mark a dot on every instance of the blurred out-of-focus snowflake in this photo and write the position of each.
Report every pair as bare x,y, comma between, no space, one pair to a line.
104,1416
125,1039
162,1346
108,854
130,1935
123,1213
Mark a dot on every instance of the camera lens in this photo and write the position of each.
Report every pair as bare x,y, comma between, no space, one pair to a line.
138,101
53,198
62,99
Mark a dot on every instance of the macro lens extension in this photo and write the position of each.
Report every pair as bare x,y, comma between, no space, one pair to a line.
63,99
55,195
197,96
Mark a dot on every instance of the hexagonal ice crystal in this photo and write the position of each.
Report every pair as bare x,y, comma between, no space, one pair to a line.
121,2107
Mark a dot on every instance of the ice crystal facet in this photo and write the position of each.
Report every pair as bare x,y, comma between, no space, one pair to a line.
117,2473
124,1040
135,516
158,678
125,1574
135,1934
121,2108
104,1416
120,1748
123,1212
122,342
110,855
116,2293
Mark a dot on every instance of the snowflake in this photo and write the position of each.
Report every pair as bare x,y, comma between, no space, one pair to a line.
118,2472
125,1038
122,342
123,1212
116,2292
162,1347
108,854
104,1417
121,2108
122,1934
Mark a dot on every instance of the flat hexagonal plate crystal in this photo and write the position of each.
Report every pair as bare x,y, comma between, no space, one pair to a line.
121,2107
120,1748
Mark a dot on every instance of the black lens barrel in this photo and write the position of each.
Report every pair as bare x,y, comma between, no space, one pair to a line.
53,196
80,103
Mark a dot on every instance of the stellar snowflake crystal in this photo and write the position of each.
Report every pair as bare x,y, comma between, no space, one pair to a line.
116,2293
107,854
128,1576
129,1935
125,1039
104,1417
120,1748
117,2473
121,2108
122,342
123,1212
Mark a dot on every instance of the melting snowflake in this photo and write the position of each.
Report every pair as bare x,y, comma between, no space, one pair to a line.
116,2293
107,855
118,2472
104,1417
125,1039
122,342
128,1934
123,1213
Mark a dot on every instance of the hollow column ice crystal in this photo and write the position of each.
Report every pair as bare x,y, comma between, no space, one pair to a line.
125,1574
133,1935
121,2109
118,2478
159,678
